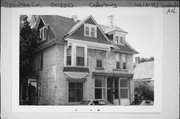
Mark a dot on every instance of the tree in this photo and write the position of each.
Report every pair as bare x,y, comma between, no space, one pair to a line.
143,91
28,40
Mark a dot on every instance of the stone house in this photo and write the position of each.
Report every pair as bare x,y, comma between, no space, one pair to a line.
81,60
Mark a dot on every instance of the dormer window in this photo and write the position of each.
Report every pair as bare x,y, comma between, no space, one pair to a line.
117,39
121,40
43,33
90,30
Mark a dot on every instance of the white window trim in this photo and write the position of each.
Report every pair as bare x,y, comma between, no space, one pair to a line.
119,40
43,35
128,89
90,26
103,88
73,54
127,92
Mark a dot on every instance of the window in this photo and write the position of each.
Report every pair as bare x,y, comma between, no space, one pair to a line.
41,61
116,89
75,92
124,65
117,65
80,56
121,39
116,39
99,63
87,31
69,50
124,87
99,88
43,33
117,61
90,30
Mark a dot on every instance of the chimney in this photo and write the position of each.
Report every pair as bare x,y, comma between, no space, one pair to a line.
111,21
137,60
74,17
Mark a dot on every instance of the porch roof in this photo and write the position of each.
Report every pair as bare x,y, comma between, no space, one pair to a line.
112,74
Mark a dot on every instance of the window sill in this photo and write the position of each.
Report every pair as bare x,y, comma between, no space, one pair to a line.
120,69
99,68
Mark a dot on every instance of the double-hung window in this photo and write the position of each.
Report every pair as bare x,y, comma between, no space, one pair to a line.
117,61
90,30
99,88
80,56
124,61
124,88
75,92
69,52
43,33
87,31
116,39
121,40
99,63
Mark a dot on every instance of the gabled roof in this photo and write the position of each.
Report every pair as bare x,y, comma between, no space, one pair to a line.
75,27
144,70
64,27
60,25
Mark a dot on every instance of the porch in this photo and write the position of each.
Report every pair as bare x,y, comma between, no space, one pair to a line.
114,88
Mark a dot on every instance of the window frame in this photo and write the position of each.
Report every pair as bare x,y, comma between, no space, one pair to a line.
125,88
121,40
70,47
76,91
97,63
124,65
118,65
102,87
80,57
90,26
43,34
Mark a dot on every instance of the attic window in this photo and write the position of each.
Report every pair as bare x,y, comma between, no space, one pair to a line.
119,40
90,30
43,33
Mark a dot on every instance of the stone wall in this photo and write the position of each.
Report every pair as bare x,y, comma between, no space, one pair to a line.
53,83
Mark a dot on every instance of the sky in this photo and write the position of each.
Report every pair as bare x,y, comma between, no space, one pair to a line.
139,24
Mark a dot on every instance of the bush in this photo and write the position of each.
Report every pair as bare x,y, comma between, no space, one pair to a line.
143,91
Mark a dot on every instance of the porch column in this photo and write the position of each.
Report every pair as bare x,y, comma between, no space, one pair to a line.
106,88
119,87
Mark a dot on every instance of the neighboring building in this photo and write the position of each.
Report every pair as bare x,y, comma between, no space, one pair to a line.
81,60
144,71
